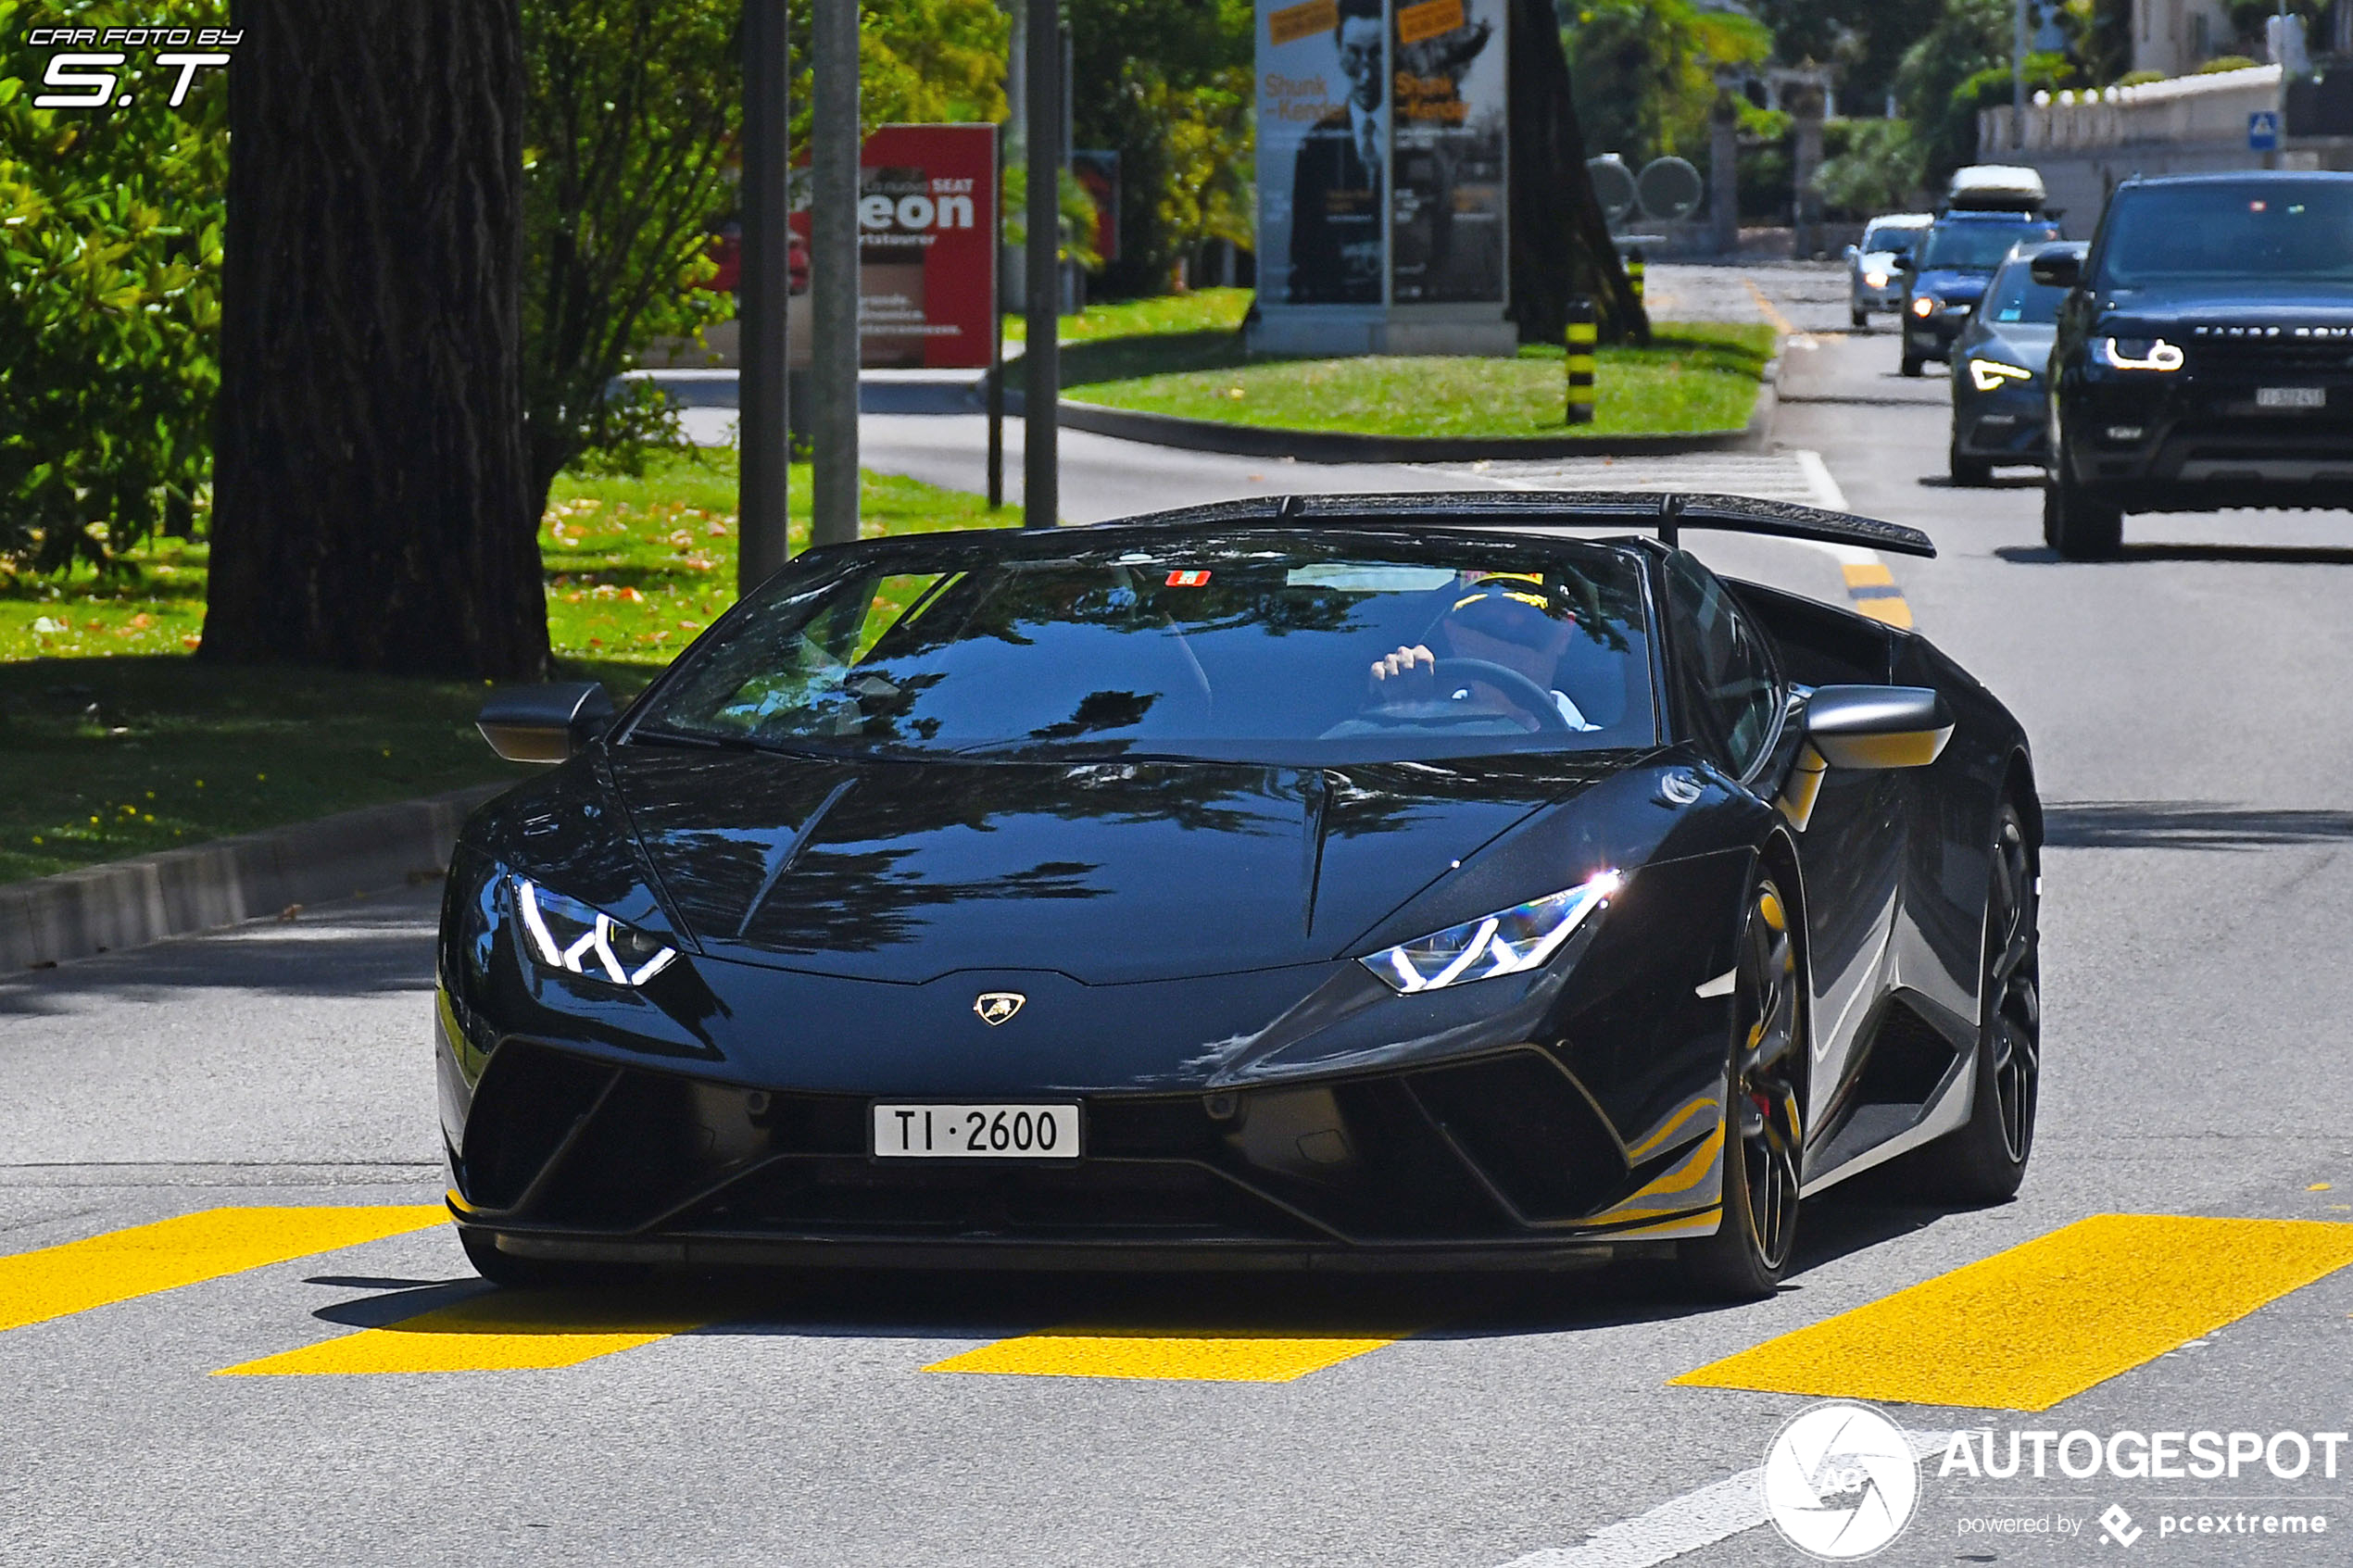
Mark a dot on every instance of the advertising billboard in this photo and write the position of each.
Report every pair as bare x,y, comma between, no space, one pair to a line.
926,252
1381,162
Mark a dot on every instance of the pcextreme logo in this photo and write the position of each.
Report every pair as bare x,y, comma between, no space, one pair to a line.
1841,1482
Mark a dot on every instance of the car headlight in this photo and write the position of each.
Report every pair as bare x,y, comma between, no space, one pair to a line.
2141,353
1988,375
1924,305
1509,942
1875,280
564,933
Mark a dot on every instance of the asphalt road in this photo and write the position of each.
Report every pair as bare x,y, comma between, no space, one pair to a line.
2189,707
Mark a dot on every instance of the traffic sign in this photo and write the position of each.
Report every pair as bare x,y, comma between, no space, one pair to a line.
2263,131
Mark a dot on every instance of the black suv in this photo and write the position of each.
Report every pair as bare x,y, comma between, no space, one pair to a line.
2205,355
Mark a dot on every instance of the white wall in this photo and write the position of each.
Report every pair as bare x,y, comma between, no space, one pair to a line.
2175,37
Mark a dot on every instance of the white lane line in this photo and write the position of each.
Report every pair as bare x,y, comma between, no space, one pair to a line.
1826,494
1694,1520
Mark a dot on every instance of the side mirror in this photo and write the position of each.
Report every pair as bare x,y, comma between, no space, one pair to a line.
1862,727
1878,726
1903,262
1853,251
2058,267
545,723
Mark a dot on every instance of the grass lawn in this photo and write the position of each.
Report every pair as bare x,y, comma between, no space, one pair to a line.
1694,376
1204,310
113,742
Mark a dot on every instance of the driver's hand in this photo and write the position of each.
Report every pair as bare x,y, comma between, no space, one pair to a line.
1407,671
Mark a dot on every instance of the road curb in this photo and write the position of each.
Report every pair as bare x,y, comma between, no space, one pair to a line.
182,892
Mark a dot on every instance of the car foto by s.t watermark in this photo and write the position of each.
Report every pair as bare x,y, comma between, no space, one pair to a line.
83,66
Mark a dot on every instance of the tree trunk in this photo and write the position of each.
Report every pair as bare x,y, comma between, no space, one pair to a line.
1561,246
373,503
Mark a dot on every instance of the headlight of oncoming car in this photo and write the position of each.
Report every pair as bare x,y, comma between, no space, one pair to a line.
1988,375
2141,353
564,933
1924,305
1507,942
1875,280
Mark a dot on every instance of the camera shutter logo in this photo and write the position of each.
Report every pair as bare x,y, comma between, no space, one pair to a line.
1841,1482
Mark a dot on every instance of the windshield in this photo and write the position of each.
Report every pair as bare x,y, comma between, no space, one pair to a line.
2231,230
1976,247
1890,238
2013,297
1240,647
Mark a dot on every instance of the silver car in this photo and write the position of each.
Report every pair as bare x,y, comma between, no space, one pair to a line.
1872,282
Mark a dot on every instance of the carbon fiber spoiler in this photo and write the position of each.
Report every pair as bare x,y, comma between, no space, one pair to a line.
1668,512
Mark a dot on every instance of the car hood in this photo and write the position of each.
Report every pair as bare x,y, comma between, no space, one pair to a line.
2018,343
2234,304
1953,287
1108,872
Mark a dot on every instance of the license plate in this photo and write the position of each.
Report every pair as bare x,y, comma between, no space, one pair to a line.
2291,398
976,1132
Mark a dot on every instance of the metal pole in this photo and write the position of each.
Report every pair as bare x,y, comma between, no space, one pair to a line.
763,283
1041,352
833,264
997,337
2018,77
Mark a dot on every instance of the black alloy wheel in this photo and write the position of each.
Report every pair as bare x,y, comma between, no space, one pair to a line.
1764,1131
1984,1160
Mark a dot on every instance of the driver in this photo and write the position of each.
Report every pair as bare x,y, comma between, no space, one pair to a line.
1504,618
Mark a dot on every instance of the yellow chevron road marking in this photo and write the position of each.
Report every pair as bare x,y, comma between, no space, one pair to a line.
2041,1322
101,1270
1236,1358
499,1331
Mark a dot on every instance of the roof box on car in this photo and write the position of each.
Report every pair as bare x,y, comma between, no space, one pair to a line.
1994,187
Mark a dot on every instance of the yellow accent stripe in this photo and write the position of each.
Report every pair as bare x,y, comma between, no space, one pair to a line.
211,1244
499,1331
1868,574
1239,1358
2042,1323
1896,612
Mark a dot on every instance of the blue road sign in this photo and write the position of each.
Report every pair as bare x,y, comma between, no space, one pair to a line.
2263,131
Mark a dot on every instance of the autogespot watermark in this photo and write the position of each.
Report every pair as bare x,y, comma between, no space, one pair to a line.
1842,1481
2199,1456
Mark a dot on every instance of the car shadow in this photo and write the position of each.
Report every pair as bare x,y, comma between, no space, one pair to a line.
2242,555
1587,1293
1998,481
2186,824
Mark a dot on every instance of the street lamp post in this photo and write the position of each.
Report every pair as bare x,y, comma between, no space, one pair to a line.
833,265
765,285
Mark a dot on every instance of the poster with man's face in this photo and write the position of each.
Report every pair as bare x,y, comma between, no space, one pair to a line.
1323,151
1447,193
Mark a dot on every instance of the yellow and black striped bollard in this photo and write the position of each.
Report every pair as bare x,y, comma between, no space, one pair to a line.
1581,337
1635,267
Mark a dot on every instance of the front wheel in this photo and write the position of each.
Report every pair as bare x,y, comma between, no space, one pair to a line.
1910,365
2078,525
1984,1160
1861,318
1968,472
1763,1124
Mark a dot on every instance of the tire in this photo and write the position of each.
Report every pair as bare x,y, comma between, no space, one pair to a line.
1984,1160
1968,472
538,1274
1764,1121
1861,318
2076,524
1911,365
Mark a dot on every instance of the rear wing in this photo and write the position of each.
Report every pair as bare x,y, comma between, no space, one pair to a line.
1668,513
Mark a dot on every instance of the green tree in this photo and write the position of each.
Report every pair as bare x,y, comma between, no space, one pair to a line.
1164,83
110,228
1645,71
1878,169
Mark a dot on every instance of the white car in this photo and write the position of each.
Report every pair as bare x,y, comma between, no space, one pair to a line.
1873,284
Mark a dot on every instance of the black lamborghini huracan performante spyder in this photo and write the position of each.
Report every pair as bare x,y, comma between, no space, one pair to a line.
1358,881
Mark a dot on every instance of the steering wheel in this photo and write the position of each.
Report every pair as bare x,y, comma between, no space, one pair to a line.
1538,702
